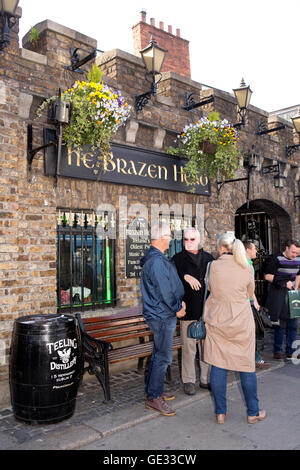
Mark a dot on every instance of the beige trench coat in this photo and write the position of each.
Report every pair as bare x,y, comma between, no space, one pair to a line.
230,328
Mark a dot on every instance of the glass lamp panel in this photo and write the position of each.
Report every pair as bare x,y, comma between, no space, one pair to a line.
243,96
159,56
9,6
296,122
147,56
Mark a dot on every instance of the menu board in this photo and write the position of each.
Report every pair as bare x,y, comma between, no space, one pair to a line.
137,242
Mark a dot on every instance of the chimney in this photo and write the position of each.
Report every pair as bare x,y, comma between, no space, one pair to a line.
143,15
177,58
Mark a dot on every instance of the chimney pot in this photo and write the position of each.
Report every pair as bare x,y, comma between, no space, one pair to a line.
178,32
152,21
170,29
161,25
143,15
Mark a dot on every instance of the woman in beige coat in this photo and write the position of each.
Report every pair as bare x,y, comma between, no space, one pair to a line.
230,329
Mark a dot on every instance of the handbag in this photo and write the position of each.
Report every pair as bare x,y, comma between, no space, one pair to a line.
293,297
196,329
265,318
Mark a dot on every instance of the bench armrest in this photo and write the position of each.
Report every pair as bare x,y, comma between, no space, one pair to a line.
100,344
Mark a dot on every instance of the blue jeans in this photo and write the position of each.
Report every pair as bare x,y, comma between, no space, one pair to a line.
163,331
218,383
291,335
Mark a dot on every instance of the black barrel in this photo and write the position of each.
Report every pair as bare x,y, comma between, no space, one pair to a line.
45,368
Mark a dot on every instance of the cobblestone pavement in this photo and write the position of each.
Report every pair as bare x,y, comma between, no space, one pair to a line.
127,389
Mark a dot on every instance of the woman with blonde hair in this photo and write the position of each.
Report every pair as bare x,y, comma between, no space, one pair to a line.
230,329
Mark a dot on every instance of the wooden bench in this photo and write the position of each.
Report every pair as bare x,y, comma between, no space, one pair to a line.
100,338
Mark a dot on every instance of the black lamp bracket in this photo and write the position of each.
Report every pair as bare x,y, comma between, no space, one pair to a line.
31,153
262,128
249,167
144,98
242,116
290,149
191,104
271,169
77,62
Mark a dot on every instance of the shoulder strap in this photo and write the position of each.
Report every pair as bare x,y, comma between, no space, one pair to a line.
206,286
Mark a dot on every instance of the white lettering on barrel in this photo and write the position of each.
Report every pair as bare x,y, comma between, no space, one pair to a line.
62,343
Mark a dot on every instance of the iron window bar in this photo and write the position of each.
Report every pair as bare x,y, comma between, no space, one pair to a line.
79,229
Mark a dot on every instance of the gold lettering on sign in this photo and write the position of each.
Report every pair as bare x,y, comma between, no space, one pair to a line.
86,159
70,154
150,171
203,180
132,169
140,173
121,168
165,172
108,163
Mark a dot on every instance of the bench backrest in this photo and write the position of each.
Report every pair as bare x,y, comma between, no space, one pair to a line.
119,326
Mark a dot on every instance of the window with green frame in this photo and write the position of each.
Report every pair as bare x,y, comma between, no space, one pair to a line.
85,261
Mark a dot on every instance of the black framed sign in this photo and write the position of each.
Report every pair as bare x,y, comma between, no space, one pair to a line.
137,242
124,165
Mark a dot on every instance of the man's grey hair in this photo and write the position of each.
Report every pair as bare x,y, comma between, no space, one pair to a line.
192,229
159,229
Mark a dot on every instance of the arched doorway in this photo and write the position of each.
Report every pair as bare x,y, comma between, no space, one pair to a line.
267,225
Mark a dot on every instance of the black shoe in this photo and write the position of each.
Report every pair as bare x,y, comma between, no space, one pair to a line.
189,388
207,386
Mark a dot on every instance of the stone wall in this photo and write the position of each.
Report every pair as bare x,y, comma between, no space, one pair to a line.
29,200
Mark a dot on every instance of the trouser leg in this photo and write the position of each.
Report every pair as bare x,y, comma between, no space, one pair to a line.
249,387
218,383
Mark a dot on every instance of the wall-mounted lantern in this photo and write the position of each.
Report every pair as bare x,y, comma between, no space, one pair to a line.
8,10
153,57
243,96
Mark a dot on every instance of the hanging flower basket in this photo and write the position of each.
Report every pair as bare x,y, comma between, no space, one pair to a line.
97,113
210,147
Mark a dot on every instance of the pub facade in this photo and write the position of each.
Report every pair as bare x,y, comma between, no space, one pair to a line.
72,238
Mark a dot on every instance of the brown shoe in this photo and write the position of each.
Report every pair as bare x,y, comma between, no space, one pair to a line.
168,396
254,419
221,419
159,404
279,356
262,365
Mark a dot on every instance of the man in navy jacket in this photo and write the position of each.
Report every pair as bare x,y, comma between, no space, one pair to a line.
162,293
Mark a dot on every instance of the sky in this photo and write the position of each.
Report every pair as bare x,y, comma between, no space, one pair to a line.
229,40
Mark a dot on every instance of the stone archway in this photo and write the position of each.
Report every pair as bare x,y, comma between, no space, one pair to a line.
268,225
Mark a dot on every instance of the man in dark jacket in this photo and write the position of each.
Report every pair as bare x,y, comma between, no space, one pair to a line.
191,264
282,272
162,293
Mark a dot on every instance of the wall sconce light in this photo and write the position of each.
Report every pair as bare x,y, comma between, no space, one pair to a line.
243,96
8,20
278,178
76,62
190,103
290,149
61,114
153,57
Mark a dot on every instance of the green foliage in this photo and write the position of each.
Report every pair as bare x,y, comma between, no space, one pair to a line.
95,74
97,113
193,144
34,36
